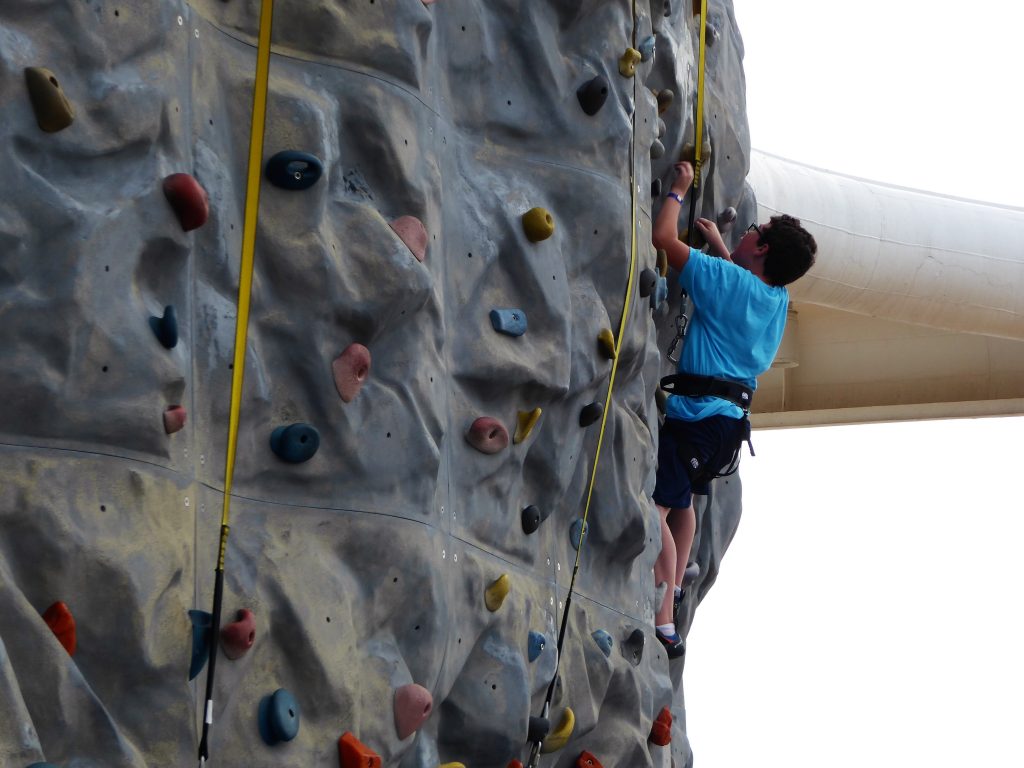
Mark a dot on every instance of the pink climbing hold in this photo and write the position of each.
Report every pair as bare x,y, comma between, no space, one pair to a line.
487,435
174,419
237,638
188,199
413,234
413,705
350,371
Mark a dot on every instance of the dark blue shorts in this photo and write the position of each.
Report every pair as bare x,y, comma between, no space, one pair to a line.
712,442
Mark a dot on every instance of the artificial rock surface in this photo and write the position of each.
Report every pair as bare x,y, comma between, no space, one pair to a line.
366,565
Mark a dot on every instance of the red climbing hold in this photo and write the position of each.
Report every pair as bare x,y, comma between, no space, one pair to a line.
237,638
60,621
350,371
174,419
514,764
352,753
413,704
661,730
587,760
487,435
188,200
413,234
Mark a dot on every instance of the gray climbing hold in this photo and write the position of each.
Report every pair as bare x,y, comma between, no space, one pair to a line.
532,517
511,322
661,127
295,443
538,729
292,169
632,647
657,149
660,292
647,281
591,413
577,532
278,717
535,645
691,573
592,94
646,48
202,623
166,328
604,641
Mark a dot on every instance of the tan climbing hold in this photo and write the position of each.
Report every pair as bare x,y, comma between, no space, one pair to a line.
413,234
628,62
497,592
351,368
526,422
663,262
559,737
665,97
606,339
538,225
52,108
689,150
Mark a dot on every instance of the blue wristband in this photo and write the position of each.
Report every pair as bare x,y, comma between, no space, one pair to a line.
675,197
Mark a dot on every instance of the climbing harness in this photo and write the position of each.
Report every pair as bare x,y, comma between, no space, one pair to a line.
252,203
695,385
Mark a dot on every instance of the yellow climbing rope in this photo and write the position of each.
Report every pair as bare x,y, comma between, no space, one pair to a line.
699,124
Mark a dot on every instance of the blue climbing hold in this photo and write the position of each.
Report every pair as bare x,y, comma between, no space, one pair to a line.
202,623
646,48
535,645
292,169
511,322
278,717
166,327
295,443
660,292
577,532
604,641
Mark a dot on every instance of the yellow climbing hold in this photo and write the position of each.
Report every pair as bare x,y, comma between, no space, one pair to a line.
663,263
607,341
628,62
538,225
527,421
453,765
497,592
560,736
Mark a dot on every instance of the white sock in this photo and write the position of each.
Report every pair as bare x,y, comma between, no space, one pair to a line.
667,629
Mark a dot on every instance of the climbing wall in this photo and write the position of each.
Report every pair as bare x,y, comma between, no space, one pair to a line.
404,521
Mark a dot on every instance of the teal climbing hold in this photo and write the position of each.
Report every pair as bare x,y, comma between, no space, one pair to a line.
278,717
292,169
577,532
660,292
591,413
295,443
633,647
592,95
166,328
511,322
646,48
535,645
604,641
202,623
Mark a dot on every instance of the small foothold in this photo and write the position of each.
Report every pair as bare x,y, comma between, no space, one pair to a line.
633,647
660,292
537,729
604,641
174,419
656,188
495,594
487,435
538,225
663,262
278,717
52,108
413,705
691,574
60,621
648,280
661,127
188,200
592,94
166,328
292,169
558,738
591,413
587,760
657,149
628,62
511,322
606,343
413,234
352,753
526,421
202,623
661,729
665,97
577,532
646,48
350,370
726,217
295,443
238,637
535,645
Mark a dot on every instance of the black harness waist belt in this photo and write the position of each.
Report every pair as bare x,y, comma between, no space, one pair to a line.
693,385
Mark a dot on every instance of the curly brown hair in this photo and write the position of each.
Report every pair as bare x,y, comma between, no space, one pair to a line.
791,250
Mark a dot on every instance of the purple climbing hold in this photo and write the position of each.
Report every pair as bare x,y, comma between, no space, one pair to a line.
487,435
591,413
188,199
238,637
413,234
413,705
350,371
52,108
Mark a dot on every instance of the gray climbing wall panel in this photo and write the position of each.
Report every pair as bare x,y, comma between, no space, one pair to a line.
365,566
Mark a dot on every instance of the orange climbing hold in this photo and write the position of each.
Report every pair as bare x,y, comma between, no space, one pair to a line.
587,760
60,621
188,199
174,419
413,234
350,371
661,730
352,753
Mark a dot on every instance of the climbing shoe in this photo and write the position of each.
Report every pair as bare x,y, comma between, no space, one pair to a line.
677,600
673,643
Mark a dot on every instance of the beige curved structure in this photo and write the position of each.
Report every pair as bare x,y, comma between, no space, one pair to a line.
915,309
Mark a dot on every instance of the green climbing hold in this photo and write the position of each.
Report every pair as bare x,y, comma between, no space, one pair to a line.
538,225
52,108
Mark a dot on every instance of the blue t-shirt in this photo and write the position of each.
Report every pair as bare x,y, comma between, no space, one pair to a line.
734,333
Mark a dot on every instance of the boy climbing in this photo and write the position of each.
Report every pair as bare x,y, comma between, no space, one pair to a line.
739,314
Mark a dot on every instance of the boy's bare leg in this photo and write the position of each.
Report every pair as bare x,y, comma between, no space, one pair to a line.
683,523
665,566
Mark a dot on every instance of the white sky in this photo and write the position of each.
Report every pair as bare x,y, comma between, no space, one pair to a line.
869,611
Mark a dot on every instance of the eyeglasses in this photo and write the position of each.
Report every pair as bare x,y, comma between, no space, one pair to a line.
755,228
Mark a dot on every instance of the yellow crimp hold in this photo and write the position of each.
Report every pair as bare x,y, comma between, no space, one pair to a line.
453,765
607,341
663,262
527,421
628,62
560,736
497,592
538,225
